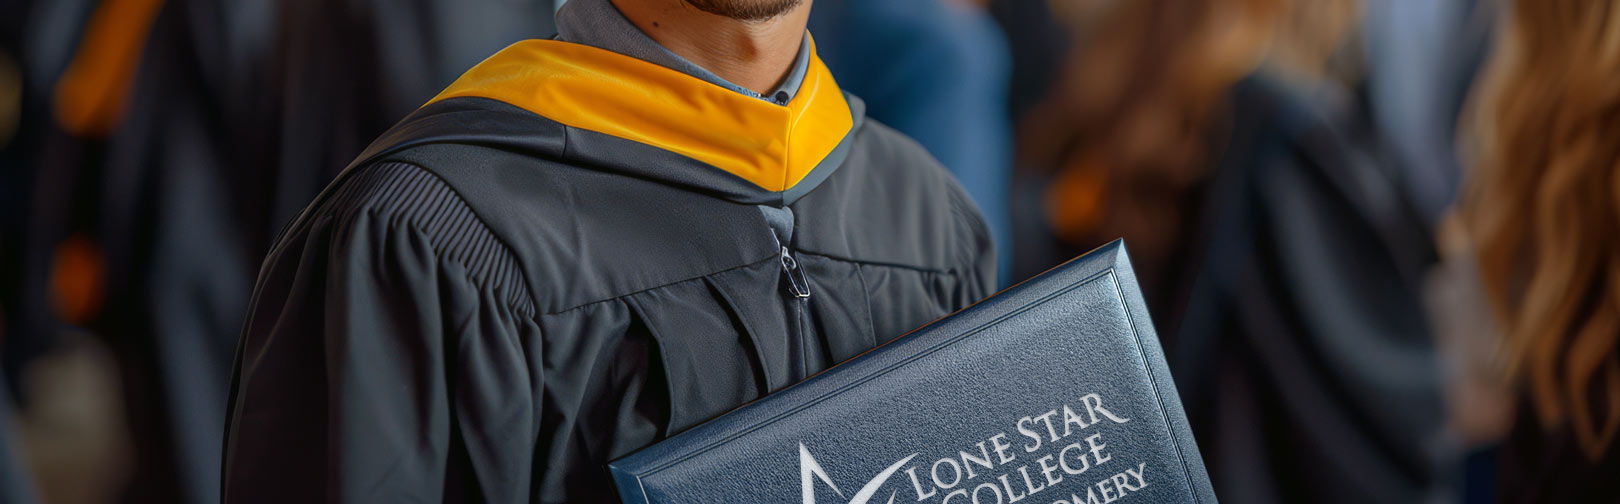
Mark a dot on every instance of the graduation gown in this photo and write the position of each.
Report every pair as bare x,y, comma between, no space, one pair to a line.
1302,352
564,258
1290,309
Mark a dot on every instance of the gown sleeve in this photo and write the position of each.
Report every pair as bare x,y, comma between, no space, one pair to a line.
389,355
976,264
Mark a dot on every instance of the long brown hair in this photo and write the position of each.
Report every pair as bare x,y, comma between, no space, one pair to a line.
1127,129
1543,208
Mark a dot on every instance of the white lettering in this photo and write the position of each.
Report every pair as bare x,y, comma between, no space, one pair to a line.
1122,482
1030,433
956,473
993,491
1012,495
1093,404
1077,457
968,460
1063,459
912,471
1107,491
1000,444
1049,470
1070,419
1047,419
1096,448
1029,485
1140,474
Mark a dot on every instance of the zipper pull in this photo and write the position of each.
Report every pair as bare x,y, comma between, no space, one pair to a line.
797,283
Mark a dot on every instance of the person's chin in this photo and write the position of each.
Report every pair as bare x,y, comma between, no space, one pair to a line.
746,10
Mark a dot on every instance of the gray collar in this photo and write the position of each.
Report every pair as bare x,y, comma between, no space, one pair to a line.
597,23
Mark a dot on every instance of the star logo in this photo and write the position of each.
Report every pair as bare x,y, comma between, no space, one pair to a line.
810,470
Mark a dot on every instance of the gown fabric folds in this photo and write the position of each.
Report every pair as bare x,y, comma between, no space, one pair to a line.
491,304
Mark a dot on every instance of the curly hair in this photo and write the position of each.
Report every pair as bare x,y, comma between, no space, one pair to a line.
1542,205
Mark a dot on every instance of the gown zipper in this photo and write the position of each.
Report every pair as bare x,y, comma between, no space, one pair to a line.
798,285
798,289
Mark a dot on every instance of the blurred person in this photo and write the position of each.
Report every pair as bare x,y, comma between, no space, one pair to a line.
1224,141
1542,213
65,73
583,246
1478,398
74,61
1038,43
237,114
1422,58
937,71
15,484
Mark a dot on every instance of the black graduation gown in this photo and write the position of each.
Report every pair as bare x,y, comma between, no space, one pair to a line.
220,149
1290,310
1302,352
563,259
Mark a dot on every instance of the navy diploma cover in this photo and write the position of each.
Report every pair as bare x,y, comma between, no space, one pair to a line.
1054,391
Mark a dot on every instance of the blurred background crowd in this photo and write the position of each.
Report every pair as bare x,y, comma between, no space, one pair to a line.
1380,239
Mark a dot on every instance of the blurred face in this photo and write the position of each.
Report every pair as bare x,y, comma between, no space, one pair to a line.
745,10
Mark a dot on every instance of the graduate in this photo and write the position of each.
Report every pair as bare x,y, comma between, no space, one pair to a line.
585,245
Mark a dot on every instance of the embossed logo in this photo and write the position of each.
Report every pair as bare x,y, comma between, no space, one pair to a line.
1057,453
810,471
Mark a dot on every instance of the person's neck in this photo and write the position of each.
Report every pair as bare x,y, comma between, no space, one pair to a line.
753,54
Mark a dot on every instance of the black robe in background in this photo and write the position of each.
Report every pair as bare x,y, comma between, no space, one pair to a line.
239,110
45,174
492,304
1298,339
16,483
42,172
1290,311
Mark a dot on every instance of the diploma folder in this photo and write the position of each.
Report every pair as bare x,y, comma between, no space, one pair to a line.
1054,391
